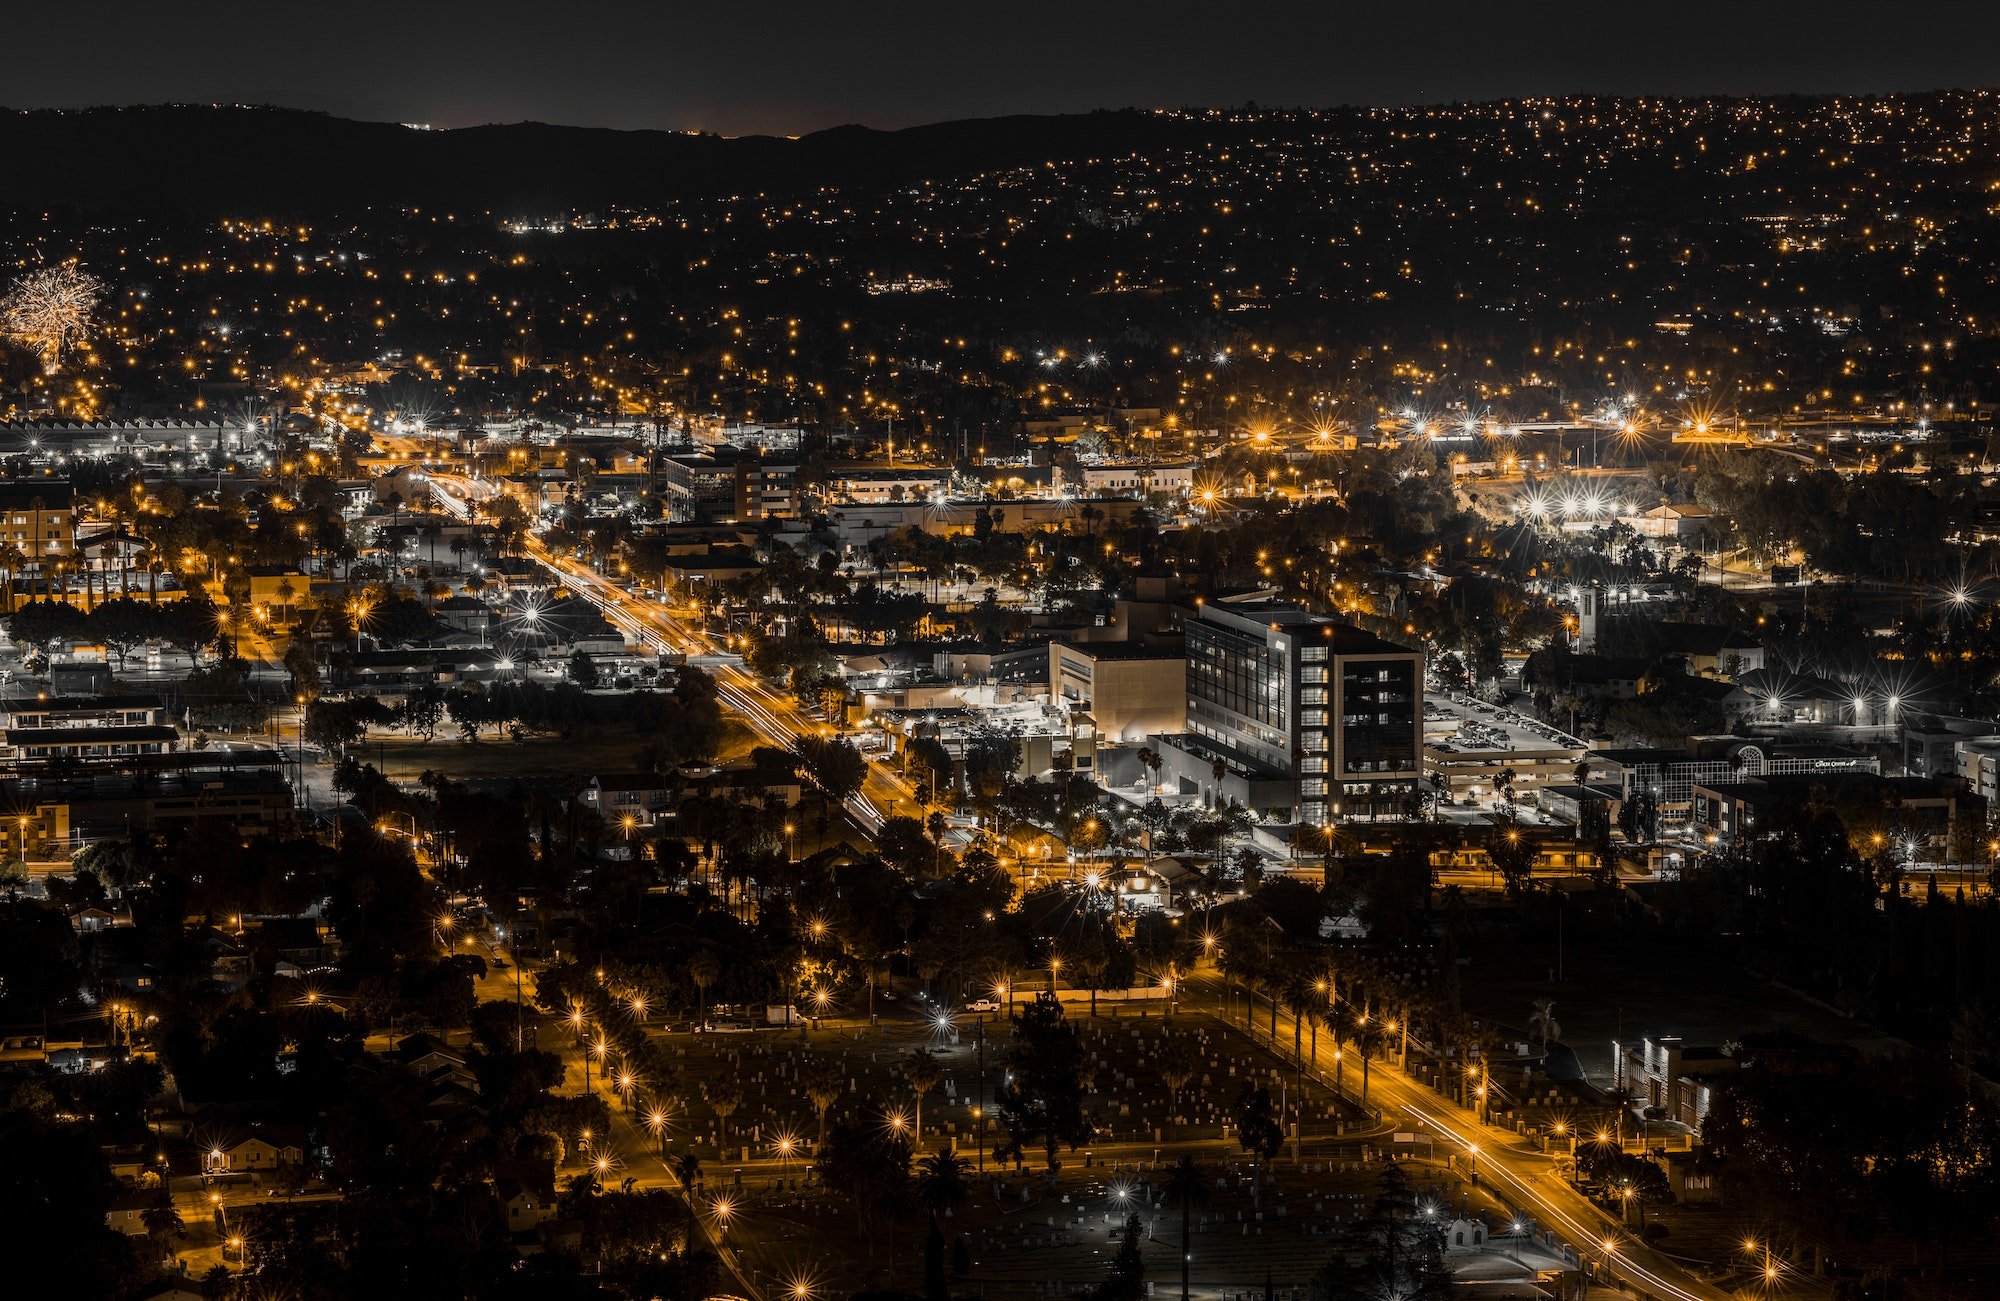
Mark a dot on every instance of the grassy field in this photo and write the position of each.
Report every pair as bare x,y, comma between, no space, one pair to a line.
404,758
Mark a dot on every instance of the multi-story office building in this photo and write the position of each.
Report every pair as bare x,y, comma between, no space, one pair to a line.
766,490
1297,716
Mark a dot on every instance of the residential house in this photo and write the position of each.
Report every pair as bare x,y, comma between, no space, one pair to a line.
524,1206
253,1154
127,1212
1670,522
176,1289
1711,650
1781,697
645,797
1605,677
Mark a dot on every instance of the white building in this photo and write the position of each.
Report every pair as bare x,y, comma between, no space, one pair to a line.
1126,479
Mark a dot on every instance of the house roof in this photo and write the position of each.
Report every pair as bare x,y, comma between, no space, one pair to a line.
509,1190
1606,668
173,1289
1700,638
631,781
18,704
133,733
1794,688
276,1142
19,494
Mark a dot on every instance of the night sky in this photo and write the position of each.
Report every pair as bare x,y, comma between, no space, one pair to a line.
791,67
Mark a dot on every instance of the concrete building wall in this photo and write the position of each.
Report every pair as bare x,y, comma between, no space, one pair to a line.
1130,698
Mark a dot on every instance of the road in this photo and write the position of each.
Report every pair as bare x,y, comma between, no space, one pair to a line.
773,716
1509,1164
631,1151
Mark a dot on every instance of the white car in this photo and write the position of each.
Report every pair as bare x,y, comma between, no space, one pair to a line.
983,1005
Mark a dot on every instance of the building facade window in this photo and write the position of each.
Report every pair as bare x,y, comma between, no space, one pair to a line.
1378,716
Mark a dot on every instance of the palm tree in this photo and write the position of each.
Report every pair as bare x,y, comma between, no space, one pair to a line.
1187,1187
687,1170
1299,996
1093,962
1177,1066
1151,762
922,1072
1543,1023
1367,1038
1620,1098
821,1077
1242,963
941,1182
725,1095
163,1224
704,969
12,558
940,1188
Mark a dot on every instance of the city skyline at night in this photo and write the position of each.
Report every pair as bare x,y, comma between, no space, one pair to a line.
912,653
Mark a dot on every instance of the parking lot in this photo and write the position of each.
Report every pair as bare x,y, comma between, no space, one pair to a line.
1470,746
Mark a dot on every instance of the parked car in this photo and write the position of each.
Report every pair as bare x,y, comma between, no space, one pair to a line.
983,1005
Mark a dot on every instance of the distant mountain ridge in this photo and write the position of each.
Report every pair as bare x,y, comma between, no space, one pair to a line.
237,158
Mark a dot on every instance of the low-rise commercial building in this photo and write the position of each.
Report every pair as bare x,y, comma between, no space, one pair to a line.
1672,1076
1909,809
70,729
1662,780
1126,479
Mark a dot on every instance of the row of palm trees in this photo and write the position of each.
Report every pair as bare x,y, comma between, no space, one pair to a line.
1314,990
1362,1006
